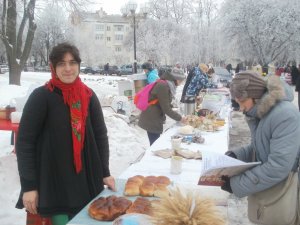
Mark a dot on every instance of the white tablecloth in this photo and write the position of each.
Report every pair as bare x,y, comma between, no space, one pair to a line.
157,166
191,169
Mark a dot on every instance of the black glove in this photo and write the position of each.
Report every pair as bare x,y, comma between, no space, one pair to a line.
226,186
231,154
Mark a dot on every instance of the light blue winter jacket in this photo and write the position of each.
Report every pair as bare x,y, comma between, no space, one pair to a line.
274,123
152,76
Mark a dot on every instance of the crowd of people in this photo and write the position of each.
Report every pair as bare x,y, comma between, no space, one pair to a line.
63,150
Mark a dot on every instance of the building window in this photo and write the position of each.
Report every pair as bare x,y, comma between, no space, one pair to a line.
108,38
108,28
99,36
99,27
119,37
118,49
119,27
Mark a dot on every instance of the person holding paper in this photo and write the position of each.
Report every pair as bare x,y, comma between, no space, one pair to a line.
274,122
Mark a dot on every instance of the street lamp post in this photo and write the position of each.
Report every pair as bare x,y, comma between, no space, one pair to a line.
134,45
130,9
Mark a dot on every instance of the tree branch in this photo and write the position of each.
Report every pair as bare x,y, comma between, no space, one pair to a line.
20,32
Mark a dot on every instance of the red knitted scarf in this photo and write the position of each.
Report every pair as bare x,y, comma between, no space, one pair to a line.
77,96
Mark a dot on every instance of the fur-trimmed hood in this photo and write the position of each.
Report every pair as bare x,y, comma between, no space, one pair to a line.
277,90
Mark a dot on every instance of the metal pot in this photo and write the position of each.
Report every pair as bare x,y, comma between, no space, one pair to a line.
189,105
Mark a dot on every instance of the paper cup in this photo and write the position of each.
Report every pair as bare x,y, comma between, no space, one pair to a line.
176,142
176,164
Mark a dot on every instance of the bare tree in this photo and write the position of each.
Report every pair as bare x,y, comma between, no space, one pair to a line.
204,14
52,29
263,30
17,52
14,32
177,10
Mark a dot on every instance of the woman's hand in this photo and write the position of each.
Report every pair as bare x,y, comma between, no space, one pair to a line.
30,201
110,182
183,120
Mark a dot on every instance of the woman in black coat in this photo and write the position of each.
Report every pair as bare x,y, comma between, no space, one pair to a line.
62,146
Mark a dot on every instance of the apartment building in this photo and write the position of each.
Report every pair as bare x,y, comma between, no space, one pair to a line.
100,37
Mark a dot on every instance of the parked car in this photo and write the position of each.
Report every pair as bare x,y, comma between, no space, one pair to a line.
4,68
42,68
28,68
127,69
92,70
113,70
223,76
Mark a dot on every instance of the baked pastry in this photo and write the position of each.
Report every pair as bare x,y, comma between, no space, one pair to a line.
186,129
146,186
108,208
151,179
140,205
147,189
138,179
132,186
160,190
163,180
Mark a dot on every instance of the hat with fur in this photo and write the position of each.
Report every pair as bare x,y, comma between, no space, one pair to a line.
247,84
174,74
203,67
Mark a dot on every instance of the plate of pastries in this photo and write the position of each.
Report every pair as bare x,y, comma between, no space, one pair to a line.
109,208
149,186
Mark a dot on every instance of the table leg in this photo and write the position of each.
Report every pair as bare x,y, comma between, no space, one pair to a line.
15,141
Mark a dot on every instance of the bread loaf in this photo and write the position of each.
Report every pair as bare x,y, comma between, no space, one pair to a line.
147,189
132,186
132,189
186,129
163,180
108,208
140,205
160,190
147,186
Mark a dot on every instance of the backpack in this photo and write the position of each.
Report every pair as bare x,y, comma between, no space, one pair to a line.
141,99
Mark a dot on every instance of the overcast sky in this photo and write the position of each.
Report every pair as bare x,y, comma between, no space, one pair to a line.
111,6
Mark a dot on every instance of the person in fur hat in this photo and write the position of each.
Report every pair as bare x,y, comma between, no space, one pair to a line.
274,123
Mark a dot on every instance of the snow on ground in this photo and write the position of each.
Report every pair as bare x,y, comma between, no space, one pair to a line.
127,141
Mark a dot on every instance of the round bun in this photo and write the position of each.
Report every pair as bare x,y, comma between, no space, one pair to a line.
186,129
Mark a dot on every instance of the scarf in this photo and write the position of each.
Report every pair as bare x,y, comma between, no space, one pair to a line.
77,96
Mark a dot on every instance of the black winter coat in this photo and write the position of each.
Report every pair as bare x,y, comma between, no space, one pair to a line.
187,83
45,154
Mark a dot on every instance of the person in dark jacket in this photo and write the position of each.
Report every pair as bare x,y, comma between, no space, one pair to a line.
274,124
229,68
106,69
153,117
297,81
62,146
237,68
295,73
